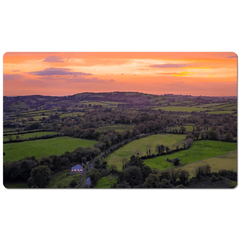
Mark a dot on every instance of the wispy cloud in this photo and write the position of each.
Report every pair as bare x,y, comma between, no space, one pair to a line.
53,59
9,77
58,71
234,56
91,80
169,65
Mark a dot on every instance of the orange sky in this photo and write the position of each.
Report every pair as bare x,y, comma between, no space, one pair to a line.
60,74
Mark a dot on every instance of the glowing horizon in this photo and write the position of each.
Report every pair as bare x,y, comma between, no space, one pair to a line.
62,74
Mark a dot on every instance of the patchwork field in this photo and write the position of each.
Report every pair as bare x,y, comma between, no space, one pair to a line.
183,109
28,135
63,179
106,182
140,145
117,128
43,147
227,161
200,150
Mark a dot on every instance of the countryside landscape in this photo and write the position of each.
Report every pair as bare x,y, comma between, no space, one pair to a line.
120,120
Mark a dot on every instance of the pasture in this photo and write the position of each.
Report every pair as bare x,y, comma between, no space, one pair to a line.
106,182
183,109
28,135
140,145
63,179
15,185
200,150
226,161
43,147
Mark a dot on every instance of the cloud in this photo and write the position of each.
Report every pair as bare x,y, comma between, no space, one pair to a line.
7,77
15,70
91,80
53,59
234,56
58,71
169,65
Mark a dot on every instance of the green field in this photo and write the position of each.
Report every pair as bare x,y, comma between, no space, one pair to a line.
140,145
43,147
200,150
28,135
106,182
63,179
183,109
117,128
227,161
188,128
221,112
5,130
16,185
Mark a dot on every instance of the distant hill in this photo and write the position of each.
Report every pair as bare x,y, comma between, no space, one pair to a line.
121,99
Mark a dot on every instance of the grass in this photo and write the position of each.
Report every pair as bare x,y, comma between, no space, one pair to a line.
43,147
106,182
5,130
117,128
183,109
200,150
63,179
16,185
226,161
221,112
28,135
188,128
73,114
140,145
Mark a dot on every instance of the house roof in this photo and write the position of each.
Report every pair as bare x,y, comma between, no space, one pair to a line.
77,167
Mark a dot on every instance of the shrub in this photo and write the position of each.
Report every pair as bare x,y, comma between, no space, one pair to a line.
73,183
203,171
183,176
176,161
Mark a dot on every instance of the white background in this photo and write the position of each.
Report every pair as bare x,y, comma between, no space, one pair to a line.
158,26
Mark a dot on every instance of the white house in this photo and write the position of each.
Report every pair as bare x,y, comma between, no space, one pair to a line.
77,168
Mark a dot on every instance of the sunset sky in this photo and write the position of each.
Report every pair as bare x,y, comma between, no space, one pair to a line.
60,74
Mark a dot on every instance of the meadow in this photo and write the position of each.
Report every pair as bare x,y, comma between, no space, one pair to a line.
29,135
140,145
106,182
226,161
43,147
63,179
200,150
16,185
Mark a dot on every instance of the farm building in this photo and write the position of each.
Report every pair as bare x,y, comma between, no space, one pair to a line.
77,168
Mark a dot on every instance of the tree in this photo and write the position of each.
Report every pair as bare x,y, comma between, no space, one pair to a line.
152,181
94,175
183,176
167,149
160,148
228,137
176,161
148,149
133,175
40,176
183,129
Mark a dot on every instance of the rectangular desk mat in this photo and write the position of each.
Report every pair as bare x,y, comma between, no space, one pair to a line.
119,120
